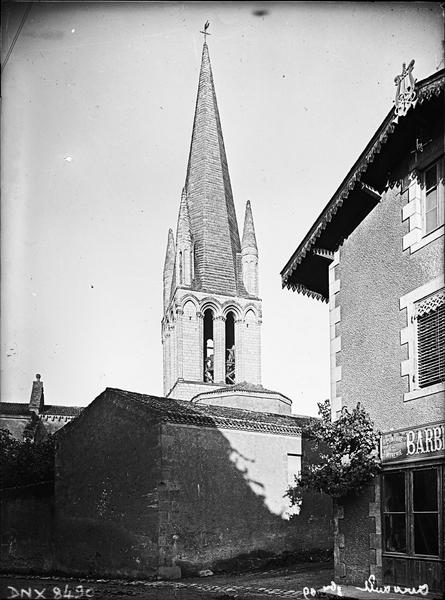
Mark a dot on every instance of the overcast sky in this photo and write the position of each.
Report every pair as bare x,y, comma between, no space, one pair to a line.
98,103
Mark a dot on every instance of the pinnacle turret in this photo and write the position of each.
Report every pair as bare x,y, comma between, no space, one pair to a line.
169,264
249,254
184,245
183,230
249,238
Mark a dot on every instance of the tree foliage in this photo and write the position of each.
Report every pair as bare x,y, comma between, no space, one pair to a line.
27,462
348,450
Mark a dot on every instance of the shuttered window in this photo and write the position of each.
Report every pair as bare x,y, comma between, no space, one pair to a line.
430,316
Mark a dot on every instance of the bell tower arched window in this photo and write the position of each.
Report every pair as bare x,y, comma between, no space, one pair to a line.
208,346
230,348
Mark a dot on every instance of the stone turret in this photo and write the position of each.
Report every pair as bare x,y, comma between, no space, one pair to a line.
249,254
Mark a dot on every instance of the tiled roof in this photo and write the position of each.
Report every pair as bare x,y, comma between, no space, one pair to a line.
22,409
182,412
14,408
63,411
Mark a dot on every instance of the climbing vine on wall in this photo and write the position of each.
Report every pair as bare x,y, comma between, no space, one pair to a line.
349,457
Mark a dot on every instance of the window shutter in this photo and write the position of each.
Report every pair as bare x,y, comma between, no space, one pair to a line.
430,315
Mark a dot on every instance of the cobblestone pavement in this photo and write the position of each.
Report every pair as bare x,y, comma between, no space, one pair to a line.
280,583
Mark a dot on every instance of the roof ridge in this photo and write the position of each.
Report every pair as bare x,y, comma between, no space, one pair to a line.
62,406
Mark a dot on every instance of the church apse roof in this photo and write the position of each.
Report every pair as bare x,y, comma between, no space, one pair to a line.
222,417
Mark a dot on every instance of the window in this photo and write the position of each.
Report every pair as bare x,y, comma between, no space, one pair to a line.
394,510
293,470
433,197
430,317
411,501
424,335
425,208
180,268
230,366
208,375
425,512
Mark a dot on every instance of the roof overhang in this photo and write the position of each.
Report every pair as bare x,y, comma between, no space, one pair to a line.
361,190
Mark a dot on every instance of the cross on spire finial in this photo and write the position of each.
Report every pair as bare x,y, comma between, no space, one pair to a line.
205,33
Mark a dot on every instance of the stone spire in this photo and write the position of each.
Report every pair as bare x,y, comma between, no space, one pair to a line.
249,254
169,268
214,226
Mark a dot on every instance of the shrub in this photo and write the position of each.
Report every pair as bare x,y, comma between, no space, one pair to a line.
348,450
27,462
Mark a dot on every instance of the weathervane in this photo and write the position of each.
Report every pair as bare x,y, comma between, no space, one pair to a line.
406,94
205,32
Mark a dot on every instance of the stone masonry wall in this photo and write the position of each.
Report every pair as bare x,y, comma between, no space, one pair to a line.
375,273
27,527
107,473
223,499
357,535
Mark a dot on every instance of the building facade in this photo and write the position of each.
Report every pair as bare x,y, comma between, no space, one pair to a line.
376,255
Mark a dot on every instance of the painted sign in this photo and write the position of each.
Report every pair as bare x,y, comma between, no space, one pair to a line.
418,443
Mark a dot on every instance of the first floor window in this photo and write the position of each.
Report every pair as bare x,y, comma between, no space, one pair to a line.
411,503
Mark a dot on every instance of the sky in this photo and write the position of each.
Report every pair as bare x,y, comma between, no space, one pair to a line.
98,104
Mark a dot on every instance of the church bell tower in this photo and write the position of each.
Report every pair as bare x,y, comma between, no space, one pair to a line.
212,311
